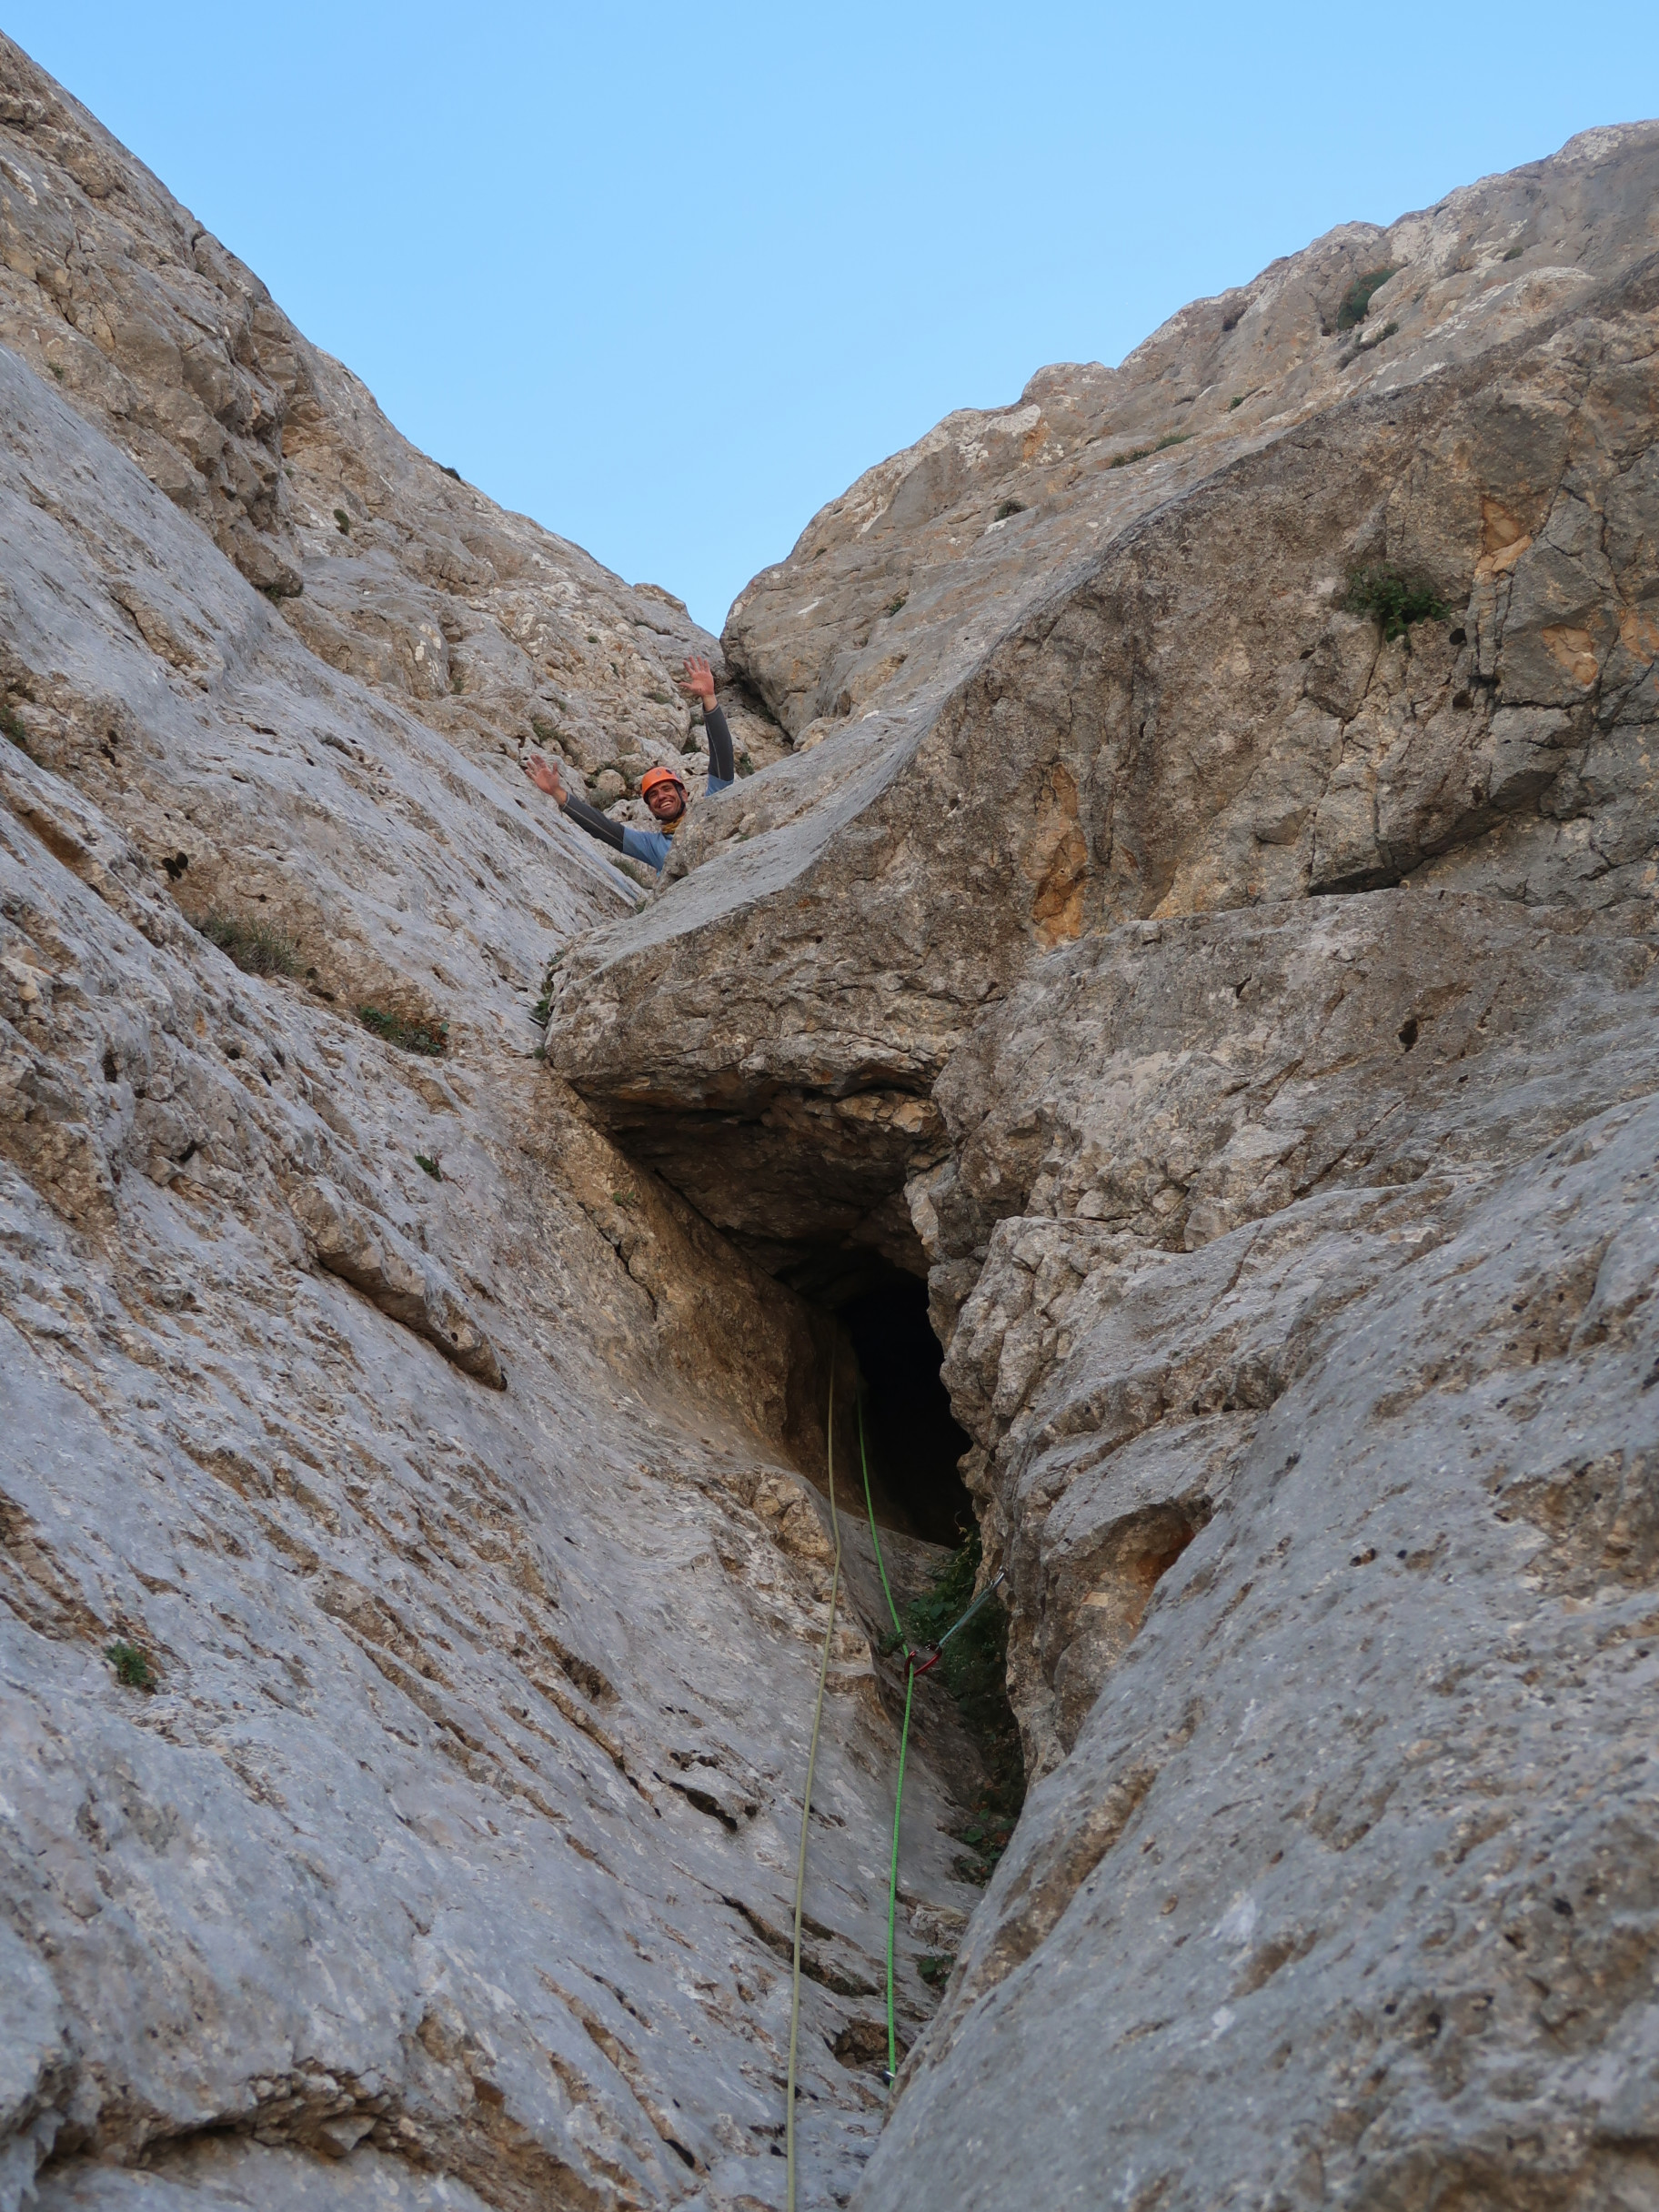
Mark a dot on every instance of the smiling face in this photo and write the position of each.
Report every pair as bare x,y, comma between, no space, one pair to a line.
666,801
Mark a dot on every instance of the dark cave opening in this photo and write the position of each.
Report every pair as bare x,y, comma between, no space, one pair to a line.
914,1444
912,1439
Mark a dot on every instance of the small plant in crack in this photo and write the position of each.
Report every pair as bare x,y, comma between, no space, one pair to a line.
935,1972
1514,253
896,605
1144,453
1393,600
1356,300
342,522
57,369
11,723
133,1668
974,1667
630,1199
428,1166
541,1012
423,1036
256,947
987,1834
1009,506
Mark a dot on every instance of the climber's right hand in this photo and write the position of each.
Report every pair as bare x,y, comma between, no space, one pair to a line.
545,778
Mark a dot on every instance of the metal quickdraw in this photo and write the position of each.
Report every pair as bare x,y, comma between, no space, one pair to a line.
925,1666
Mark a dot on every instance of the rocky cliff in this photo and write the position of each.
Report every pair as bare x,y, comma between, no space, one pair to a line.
1208,924
412,1595
1233,998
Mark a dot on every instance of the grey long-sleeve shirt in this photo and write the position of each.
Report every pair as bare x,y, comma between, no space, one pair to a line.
654,846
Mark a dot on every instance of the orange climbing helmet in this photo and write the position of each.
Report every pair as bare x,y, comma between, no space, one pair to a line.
653,776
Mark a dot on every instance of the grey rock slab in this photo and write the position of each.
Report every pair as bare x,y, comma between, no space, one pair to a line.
1346,1892
377,1261
1244,971
227,2177
1178,1154
432,1865
1187,719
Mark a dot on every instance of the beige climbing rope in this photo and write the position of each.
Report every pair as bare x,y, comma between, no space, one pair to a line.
806,1809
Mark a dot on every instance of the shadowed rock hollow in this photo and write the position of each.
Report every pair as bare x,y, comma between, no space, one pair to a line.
1237,1024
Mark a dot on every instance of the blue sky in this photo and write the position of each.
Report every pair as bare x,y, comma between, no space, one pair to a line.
667,279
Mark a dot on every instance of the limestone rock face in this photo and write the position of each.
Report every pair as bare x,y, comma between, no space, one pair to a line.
494,632
1183,718
410,1592
1174,1233
1256,1012
413,1543
930,556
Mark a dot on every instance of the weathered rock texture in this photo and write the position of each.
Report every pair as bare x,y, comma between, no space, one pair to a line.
1246,1024
1257,1016
489,630
457,1505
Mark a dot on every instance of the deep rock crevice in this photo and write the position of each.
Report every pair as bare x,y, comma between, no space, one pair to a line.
1291,1257
1258,969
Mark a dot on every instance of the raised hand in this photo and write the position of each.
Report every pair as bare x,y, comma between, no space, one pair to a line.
545,778
698,680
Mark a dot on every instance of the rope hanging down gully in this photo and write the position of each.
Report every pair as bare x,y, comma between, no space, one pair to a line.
914,1665
806,1811
904,1745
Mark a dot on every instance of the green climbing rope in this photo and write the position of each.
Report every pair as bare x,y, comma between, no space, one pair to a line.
892,1879
806,1814
904,1745
871,1510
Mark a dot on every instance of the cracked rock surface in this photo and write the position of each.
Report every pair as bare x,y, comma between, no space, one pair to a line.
413,1543
495,633
412,1573
1256,1014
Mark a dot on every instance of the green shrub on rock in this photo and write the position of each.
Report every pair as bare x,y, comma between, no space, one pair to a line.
256,947
1393,600
407,1036
133,1668
1356,300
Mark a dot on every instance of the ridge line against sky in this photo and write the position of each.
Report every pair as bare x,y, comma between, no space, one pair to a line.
670,285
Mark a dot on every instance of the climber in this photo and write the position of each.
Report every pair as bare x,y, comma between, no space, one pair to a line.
663,789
